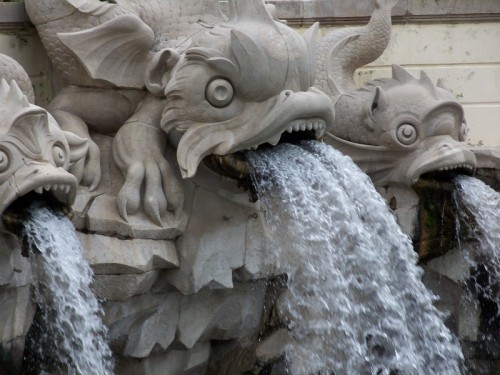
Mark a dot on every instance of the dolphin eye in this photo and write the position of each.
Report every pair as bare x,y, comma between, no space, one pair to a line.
464,130
59,155
219,92
4,161
407,134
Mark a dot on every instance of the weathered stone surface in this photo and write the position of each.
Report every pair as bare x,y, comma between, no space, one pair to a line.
124,286
142,323
487,157
405,204
260,258
463,309
453,265
16,312
110,255
178,362
15,269
213,244
221,314
273,347
155,321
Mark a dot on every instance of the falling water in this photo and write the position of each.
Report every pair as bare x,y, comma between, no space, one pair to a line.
72,332
477,201
355,303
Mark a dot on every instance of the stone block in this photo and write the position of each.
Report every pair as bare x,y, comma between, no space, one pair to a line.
143,323
260,258
453,265
123,287
15,270
213,244
221,314
110,255
178,362
16,312
273,347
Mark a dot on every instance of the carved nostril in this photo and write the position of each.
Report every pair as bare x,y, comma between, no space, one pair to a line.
445,147
288,92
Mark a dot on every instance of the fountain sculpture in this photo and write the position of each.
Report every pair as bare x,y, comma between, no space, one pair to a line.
161,101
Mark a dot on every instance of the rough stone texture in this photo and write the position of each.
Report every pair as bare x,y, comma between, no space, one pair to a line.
221,314
16,313
15,269
273,347
142,323
464,318
124,286
155,322
179,362
452,265
112,256
214,240
404,202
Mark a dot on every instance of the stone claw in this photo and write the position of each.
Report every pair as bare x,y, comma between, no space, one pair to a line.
149,181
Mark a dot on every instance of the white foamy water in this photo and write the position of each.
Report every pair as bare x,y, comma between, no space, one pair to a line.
72,328
355,303
476,200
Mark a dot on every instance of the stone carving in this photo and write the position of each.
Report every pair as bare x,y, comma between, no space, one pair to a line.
407,127
35,154
395,129
209,85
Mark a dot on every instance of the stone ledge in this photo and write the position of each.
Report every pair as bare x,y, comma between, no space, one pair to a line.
13,16
334,13
331,12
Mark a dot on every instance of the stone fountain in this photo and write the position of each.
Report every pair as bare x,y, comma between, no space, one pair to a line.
146,142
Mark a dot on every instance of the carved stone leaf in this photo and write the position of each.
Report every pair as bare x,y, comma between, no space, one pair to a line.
116,51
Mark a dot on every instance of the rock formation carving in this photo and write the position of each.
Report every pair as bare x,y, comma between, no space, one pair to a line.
395,129
165,75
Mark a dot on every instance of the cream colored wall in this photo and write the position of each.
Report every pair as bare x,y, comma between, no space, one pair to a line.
465,55
27,49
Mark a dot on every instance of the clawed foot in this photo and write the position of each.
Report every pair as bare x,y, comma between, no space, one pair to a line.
149,181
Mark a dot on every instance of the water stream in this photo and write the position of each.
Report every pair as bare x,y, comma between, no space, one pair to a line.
478,207
71,334
355,303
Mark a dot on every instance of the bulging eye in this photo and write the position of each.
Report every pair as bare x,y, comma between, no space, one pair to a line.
219,92
464,131
407,134
59,155
4,161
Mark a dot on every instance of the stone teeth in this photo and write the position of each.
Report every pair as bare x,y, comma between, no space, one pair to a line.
302,126
274,141
296,127
67,188
39,190
290,129
309,126
47,187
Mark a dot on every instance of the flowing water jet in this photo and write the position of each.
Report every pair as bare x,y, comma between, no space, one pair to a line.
478,209
355,303
68,335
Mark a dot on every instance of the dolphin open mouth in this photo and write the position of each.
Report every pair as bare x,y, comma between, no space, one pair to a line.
449,172
45,183
235,165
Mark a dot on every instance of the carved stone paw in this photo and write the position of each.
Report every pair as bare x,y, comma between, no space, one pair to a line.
150,183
